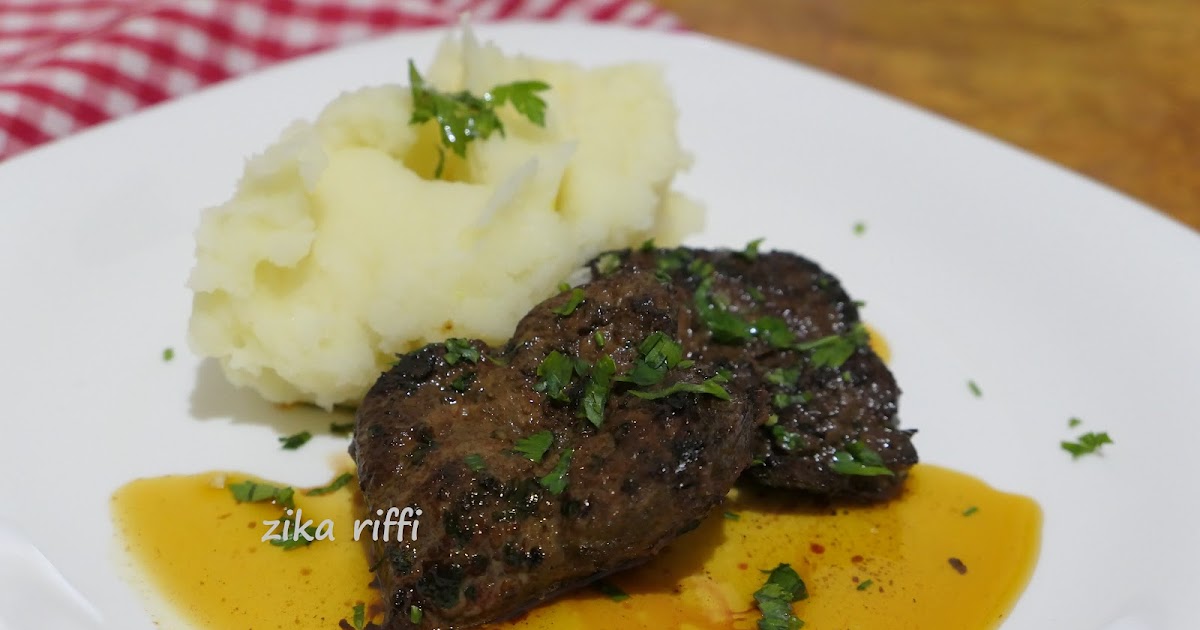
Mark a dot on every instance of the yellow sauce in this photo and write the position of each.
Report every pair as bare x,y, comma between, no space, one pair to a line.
203,553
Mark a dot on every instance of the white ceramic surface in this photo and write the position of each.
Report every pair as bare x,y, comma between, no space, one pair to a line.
1058,296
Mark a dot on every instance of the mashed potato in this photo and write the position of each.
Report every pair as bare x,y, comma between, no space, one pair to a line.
340,249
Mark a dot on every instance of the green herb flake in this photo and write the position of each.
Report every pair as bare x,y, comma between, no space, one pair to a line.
787,440
657,354
1088,443
612,591
535,446
860,228
859,460
607,263
415,614
724,325
598,337
784,377
756,294
1074,422
463,382
475,462
342,429
974,387
775,599
774,331
554,374
254,492
571,304
556,480
971,510
293,442
783,400
360,617
711,387
733,516
463,117
335,485
866,584
648,245
563,287
460,350
595,393
834,350
168,354
750,252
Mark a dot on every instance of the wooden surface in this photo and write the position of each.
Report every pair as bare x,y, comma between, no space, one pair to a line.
1108,88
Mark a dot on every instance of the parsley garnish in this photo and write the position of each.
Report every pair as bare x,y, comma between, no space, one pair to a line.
751,251
787,440
724,325
360,617
534,447
599,338
612,591
475,462
168,354
648,245
341,429
554,374
974,387
834,350
860,228
711,386
1074,422
254,492
556,480
293,442
971,510
859,460
733,516
289,543
1088,443
783,376
462,117
608,262
783,400
658,353
866,584
463,382
571,304
334,486
775,598
415,614
460,349
595,393
774,331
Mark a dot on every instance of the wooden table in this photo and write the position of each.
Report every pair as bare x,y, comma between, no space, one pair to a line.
1109,88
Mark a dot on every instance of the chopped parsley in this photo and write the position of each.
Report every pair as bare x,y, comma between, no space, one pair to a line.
866,584
783,400
1088,443
289,543
1074,422
648,245
724,325
475,462
571,304
334,486
711,386
612,591
783,376
554,374
556,480
834,350
341,429
971,510
751,251
254,492
535,446
598,337
860,228
460,350
974,387
293,442
775,598
670,261
733,516
415,614
608,262
463,382
657,354
859,460
168,354
595,393
463,117
774,331
360,617
787,440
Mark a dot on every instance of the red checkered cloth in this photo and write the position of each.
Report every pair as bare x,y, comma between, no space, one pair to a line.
69,64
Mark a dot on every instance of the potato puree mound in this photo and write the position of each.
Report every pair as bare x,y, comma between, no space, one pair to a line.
340,248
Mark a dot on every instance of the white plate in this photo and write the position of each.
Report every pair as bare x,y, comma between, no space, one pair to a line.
1060,297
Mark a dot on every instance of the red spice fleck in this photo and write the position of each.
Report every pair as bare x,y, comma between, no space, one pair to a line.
817,548
856,559
743,566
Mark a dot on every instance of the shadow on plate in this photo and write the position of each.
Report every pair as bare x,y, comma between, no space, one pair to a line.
213,397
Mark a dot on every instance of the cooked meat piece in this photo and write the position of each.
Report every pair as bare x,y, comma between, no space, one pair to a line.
502,530
761,315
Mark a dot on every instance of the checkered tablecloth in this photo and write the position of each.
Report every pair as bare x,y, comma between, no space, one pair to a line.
69,64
